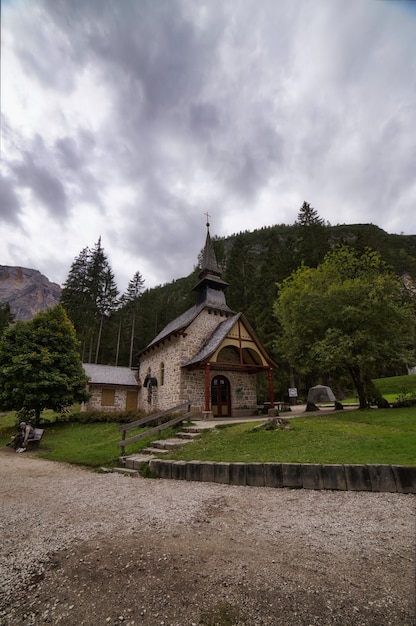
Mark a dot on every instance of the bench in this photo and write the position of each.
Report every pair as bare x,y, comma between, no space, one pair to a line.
34,440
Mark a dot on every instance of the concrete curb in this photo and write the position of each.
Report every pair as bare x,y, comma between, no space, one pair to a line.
376,478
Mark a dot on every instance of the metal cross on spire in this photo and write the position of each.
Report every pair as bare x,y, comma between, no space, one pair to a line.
207,216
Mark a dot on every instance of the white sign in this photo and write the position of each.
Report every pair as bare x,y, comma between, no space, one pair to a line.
293,392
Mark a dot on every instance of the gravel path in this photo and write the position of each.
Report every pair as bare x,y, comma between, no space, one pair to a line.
79,547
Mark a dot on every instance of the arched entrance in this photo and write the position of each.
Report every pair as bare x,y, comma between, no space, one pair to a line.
220,397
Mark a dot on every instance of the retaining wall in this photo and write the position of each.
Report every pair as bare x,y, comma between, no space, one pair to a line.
386,478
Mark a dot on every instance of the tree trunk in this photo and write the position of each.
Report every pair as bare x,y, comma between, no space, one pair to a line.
99,339
37,417
359,385
118,341
133,323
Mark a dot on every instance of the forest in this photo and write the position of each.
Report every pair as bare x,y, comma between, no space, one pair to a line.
112,329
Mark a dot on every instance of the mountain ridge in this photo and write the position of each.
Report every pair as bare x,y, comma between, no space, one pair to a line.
27,291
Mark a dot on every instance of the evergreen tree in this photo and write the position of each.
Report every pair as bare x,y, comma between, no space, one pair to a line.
312,239
75,297
131,300
6,317
40,367
90,296
241,273
308,216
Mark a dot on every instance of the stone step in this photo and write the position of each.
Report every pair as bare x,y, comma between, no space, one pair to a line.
137,461
168,444
187,435
190,429
154,451
126,470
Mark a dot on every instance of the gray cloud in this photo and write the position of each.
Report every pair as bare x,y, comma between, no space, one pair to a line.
9,202
167,109
48,189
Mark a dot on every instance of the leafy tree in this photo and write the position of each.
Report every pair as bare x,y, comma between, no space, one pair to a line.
349,315
40,366
6,317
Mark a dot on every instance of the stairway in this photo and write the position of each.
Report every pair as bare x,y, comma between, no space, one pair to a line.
131,464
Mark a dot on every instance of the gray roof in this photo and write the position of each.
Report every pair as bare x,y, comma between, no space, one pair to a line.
214,340
110,375
183,321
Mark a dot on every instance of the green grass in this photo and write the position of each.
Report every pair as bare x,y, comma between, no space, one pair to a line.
374,436
92,445
377,436
396,385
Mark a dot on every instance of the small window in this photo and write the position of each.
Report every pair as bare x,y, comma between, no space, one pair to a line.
162,374
108,397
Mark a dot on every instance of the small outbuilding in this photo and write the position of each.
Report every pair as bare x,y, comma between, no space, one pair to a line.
112,388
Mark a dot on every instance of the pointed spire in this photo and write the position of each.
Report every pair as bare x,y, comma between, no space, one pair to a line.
209,260
210,288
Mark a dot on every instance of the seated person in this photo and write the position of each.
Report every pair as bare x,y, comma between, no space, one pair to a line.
20,440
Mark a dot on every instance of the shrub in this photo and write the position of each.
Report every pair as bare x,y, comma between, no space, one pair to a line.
93,417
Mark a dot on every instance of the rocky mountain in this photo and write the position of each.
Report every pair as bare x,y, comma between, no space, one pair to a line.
27,291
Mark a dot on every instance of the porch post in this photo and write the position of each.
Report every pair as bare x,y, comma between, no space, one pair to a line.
207,388
271,390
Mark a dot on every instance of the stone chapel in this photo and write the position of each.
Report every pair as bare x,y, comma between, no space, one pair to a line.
208,356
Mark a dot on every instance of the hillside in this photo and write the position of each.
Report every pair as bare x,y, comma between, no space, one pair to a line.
253,262
27,291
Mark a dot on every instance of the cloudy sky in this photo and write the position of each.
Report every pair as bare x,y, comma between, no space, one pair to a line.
130,119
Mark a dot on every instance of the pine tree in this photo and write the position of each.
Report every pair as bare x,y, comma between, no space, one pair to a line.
6,317
75,297
131,301
312,244
90,298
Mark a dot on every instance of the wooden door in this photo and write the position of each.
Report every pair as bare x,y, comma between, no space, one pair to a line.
131,400
220,397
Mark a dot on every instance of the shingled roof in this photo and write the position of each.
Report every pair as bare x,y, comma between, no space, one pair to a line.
110,375
213,340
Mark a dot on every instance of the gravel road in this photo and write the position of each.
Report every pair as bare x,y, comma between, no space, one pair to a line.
82,548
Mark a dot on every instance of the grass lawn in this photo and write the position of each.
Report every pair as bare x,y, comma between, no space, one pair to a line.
374,436
386,436
93,445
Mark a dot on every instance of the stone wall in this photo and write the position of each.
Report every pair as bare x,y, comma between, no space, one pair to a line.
376,478
179,385
95,402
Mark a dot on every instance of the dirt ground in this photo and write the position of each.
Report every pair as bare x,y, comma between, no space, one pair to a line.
85,548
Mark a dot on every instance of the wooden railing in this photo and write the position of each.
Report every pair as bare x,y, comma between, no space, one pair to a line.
156,417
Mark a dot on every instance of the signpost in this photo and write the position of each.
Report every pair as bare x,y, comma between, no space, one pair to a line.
293,394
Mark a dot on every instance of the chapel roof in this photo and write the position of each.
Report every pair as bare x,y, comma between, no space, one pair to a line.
214,340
